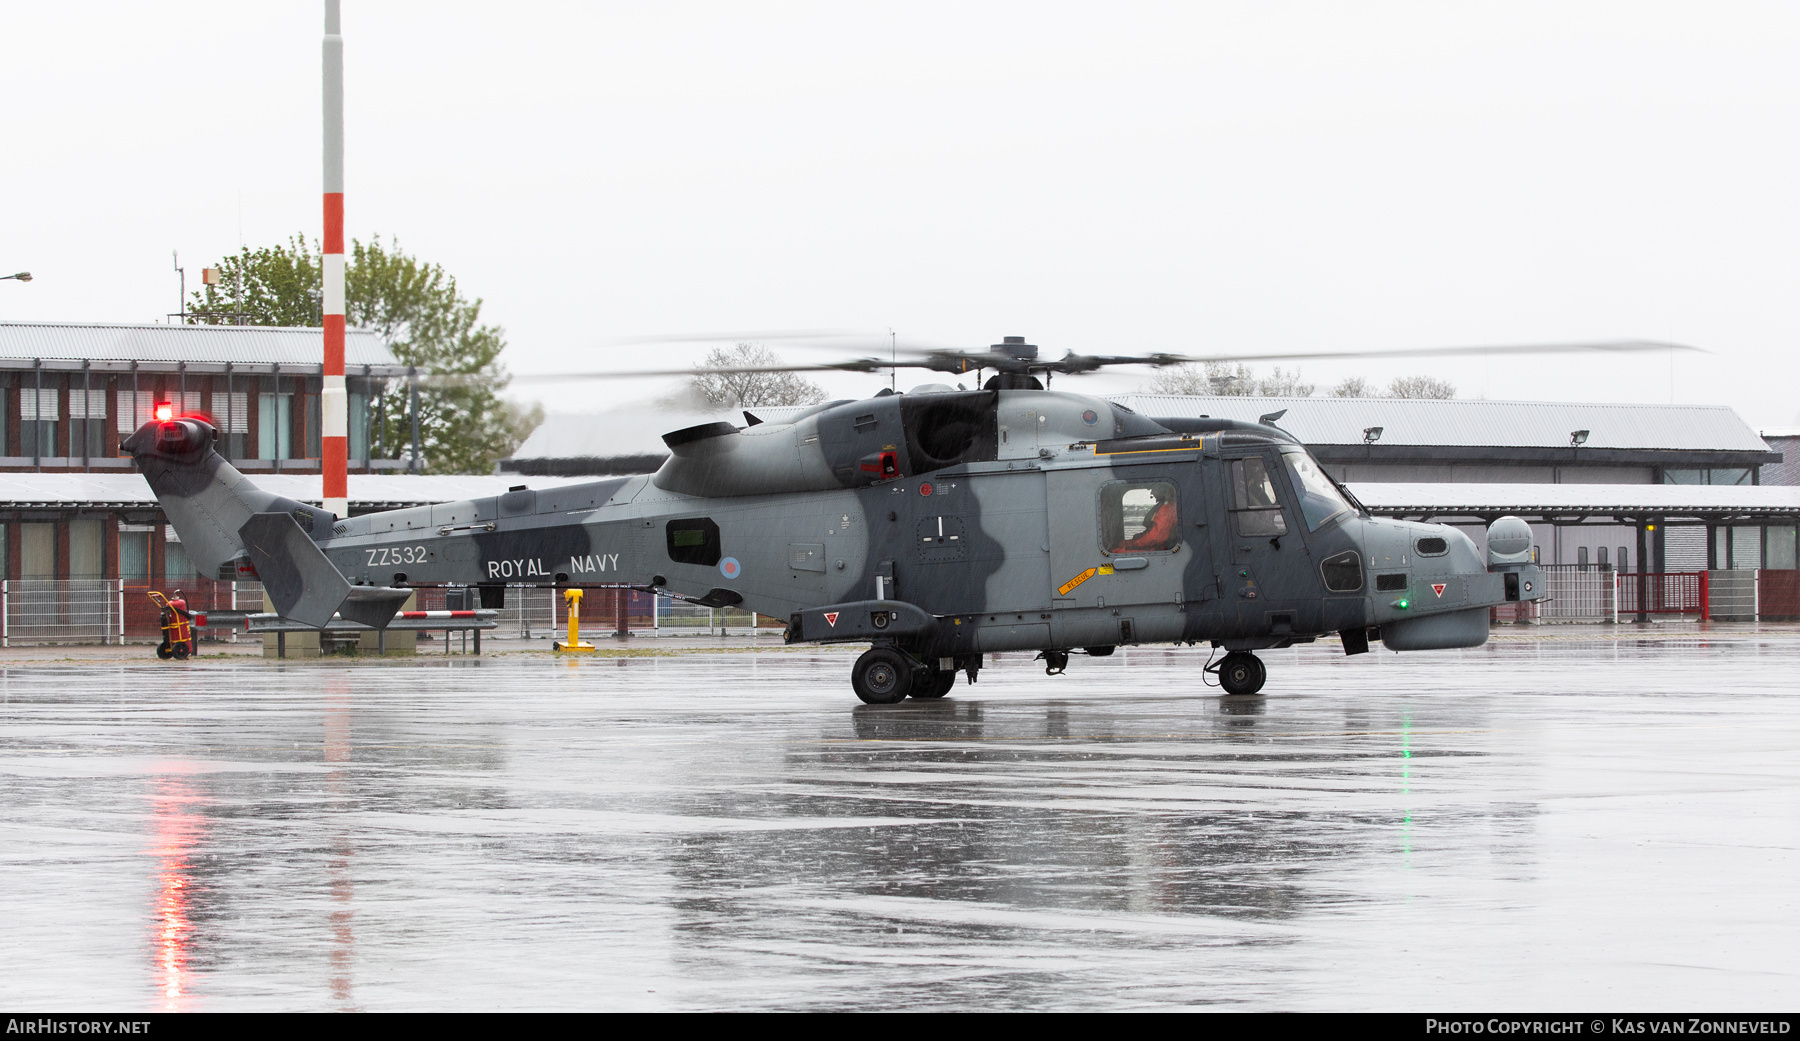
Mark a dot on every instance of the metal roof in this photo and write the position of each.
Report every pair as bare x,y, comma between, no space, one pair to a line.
1484,424
367,491
242,346
1604,500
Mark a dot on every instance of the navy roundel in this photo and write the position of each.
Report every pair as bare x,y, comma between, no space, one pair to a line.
1089,417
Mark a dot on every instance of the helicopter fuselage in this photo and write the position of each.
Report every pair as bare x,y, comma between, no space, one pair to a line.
1045,530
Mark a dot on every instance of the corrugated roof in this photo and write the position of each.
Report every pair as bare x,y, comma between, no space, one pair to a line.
1605,499
214,344
367,491
1480,424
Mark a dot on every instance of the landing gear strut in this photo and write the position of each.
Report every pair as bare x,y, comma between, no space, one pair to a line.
1241,672
932,684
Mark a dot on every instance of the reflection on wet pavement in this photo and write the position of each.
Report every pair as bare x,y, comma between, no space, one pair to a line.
1534,824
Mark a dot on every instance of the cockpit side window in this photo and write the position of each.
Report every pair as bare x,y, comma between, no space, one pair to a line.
1253,499
1139,517
1319,498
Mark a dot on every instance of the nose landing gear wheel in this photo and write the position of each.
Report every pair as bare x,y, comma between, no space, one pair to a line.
882,676
1242,673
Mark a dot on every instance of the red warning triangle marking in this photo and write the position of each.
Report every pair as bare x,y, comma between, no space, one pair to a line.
1438,587
831,618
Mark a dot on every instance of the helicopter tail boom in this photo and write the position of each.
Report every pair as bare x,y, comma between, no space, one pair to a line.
231,528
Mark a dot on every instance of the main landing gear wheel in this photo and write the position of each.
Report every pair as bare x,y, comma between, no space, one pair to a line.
928,686
1242,673
882,676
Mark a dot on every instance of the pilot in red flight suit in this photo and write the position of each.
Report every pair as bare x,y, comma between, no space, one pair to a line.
1159,527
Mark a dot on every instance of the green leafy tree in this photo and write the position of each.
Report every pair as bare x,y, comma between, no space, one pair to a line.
464,424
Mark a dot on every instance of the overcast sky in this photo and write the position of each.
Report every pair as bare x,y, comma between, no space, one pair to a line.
1106,177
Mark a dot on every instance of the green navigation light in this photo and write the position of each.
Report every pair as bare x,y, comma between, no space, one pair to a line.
1402,604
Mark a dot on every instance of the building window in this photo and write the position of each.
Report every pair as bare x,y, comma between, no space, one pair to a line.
1727,475
87,422
176,568
359,425
274,424
85,536
1746,549
1253,499
37,551
1581,557
136,407
1778,543
1139,517
1624,559
231,415
134,552
1600,555
314,440
39,413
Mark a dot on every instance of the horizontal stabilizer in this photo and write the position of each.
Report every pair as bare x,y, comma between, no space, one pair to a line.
300,580
373,606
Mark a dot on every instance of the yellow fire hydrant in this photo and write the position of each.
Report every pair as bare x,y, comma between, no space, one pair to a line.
574,645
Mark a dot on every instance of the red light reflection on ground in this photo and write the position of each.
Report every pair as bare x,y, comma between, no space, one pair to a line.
177,829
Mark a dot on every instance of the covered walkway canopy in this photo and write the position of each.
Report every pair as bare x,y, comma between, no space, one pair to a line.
1583,503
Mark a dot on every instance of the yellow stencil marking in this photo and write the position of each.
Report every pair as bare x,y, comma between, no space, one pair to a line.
1063,590
1106,569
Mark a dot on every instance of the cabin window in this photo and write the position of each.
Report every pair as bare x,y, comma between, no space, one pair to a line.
1254,500
694,541
1139,517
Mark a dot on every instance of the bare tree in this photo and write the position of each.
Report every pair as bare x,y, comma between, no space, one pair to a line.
750,389
1280,384
1353,387
1420,387
1216,378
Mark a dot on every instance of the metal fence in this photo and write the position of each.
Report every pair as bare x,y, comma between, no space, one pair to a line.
1580,593
533,612
1731,596
62,610
1650,592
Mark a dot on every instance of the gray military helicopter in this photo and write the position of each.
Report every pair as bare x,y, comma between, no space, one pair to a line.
939,526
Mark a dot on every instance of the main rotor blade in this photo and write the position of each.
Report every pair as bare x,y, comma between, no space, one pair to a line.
855,365
1412,352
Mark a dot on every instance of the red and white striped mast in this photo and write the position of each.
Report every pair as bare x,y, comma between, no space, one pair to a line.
334,401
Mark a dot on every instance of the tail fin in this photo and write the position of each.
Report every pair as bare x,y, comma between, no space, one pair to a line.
223,520
301,582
